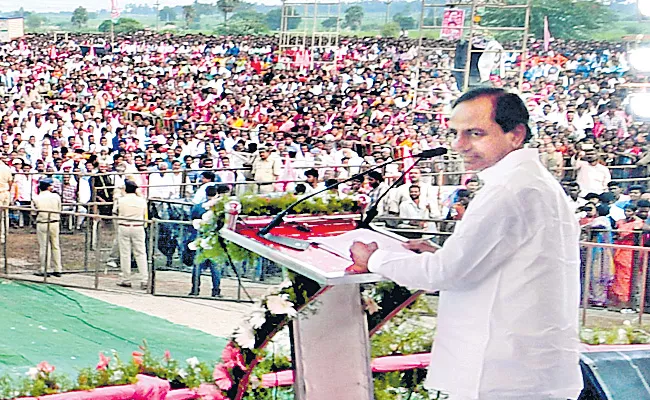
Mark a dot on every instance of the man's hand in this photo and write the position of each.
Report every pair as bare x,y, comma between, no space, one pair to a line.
360,253
421,246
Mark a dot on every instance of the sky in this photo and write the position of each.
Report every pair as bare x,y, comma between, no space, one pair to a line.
94,5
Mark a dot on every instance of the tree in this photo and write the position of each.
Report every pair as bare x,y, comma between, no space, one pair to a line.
189,13
79,17
123,25
34,21
330,23
566,18
226,7
167,14
274,19
249,15
240,26
404,21
353,17
390,29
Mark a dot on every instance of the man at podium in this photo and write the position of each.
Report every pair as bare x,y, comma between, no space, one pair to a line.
508,276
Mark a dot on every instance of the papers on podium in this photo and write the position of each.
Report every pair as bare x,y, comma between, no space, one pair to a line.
340,244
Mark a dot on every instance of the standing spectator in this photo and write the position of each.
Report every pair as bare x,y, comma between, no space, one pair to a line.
48,206
131,235
197,212
6,180
266,169
553,160
69,198
414,208
207,180
593,177
627,232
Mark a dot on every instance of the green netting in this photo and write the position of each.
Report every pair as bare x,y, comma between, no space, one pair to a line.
68,329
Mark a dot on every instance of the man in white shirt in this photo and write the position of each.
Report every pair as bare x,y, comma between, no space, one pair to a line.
592,176
508,276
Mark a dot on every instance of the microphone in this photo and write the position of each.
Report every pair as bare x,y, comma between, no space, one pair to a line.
372,211
277,220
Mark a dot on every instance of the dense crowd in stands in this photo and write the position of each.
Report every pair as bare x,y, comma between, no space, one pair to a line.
162,109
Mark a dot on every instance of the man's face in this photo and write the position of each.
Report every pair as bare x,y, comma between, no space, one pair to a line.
479,139
414,193
415,175
642,212
374,183
573,192
311,179
635,194
616,190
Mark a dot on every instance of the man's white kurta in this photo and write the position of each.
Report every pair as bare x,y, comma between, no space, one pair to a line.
509,289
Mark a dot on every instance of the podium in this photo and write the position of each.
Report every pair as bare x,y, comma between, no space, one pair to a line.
331,344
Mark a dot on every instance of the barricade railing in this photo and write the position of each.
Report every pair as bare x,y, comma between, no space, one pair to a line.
91,260
614,277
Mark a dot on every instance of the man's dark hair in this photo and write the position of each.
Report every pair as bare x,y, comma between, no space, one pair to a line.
330,182
209,175
211,191
643,203
636,187
44,185
573,184
130,186
463,193
222,189
509,108
376,175
300,188
612,184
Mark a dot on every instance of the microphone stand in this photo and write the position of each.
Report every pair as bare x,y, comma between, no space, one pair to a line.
372,211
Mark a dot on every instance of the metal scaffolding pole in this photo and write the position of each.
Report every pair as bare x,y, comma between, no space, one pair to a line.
309,33
472,30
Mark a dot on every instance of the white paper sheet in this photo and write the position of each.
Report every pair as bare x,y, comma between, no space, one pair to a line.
340,245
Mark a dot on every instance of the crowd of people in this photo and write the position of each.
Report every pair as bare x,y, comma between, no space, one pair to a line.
176,115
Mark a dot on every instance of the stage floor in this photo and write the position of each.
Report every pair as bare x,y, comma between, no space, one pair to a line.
68,329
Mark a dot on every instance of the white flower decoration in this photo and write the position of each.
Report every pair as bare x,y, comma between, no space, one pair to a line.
117,375
32,373
207,216
286,284
205,244
279,305
257,317
196,223
245,336
627,322
210,203
193,246
192,362
182,373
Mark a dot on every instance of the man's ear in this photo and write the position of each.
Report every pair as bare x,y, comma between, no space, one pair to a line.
518,136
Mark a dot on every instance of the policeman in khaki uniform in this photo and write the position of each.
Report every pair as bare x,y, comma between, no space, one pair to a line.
47,226
6,179
130,235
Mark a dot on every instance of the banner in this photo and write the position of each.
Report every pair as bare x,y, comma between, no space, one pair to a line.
115,12
547,35
453,21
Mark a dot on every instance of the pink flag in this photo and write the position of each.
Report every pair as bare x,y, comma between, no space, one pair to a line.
408,162
547,35
21,45
53,54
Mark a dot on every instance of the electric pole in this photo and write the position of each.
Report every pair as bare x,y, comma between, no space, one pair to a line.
157,13
388,11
